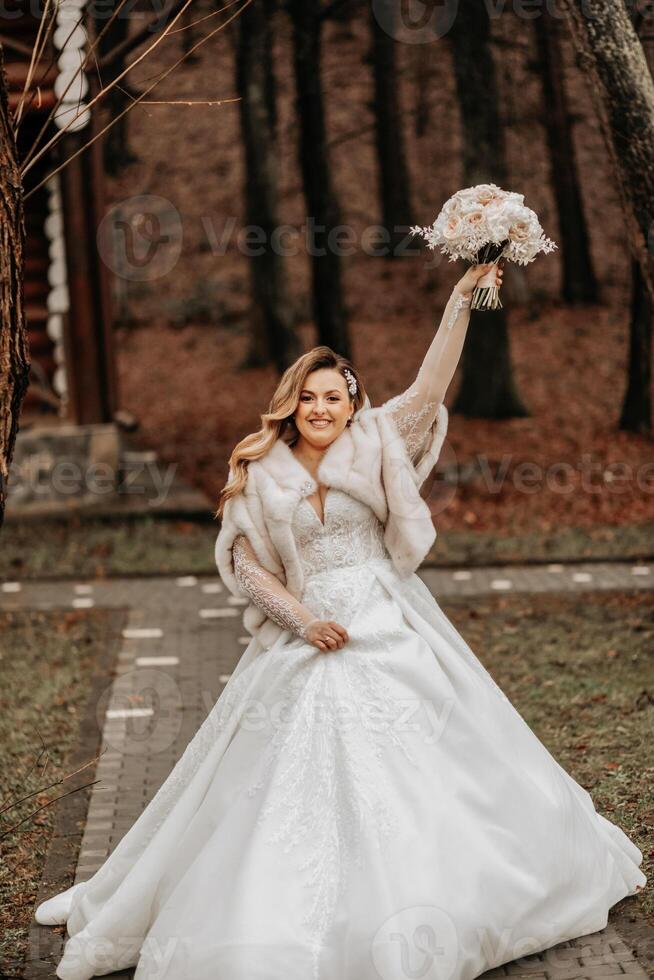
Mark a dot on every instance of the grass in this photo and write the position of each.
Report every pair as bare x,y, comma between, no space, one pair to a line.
148,546
47,661
580,671
100,548
629,542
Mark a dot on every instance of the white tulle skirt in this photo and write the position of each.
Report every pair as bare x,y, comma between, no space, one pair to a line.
381,811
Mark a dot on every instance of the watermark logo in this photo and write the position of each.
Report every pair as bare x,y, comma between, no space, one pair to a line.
419,943
415,21
140,238
141,712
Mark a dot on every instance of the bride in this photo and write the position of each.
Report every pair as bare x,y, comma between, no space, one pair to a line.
363,801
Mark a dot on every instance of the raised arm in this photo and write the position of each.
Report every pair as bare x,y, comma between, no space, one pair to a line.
415,409
267,592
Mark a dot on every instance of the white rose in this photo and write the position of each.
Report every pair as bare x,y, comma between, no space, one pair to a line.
498,220
475,219
519,232
487,193
468,195
453,206
452,228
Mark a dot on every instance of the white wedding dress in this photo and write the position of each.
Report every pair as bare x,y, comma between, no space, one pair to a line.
377,812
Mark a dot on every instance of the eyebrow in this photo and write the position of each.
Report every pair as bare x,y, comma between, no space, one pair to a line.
331,391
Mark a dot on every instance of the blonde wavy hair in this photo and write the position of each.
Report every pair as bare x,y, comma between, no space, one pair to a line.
278,421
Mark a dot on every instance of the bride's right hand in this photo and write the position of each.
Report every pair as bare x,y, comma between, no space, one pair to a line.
326,634
467,282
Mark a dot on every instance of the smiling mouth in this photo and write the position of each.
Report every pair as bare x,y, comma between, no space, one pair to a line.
320,423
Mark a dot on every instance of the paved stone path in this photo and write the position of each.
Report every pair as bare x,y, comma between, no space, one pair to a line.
182,638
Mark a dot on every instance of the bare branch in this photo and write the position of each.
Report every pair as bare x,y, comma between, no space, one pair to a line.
41,39
57,782
81,68
88,106
44,806
130,43
112,122
44,74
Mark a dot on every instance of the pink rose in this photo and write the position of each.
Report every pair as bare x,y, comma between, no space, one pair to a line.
520,231
475,219
452,228
486,195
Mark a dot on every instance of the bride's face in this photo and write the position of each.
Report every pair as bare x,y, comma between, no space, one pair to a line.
323,408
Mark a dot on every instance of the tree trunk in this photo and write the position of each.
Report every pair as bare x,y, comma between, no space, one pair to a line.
14,353
637,406
613,60
322,206
487,388
394,191
421,85
116,151
636,415
273,338
578,277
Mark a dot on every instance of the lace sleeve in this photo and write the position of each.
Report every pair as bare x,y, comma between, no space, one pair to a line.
266,591
415,409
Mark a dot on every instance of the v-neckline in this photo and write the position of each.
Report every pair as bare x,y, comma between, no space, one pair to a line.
324,508
314,480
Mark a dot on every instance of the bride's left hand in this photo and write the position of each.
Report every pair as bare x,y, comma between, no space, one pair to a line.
468,282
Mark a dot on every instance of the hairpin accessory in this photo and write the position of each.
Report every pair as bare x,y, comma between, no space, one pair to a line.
351,381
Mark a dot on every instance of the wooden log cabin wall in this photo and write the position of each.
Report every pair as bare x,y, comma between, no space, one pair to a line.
67,288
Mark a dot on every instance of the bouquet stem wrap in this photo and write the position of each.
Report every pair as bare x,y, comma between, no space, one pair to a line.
486,295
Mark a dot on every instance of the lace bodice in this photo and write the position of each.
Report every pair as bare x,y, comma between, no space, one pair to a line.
351,535
337,557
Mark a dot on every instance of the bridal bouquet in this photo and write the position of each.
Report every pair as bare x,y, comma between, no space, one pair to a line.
484,224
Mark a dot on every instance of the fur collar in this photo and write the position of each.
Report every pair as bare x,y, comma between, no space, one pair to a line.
352,462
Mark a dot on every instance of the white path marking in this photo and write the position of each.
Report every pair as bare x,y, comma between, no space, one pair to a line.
212,588
217,613
142,633
156,661
129,712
